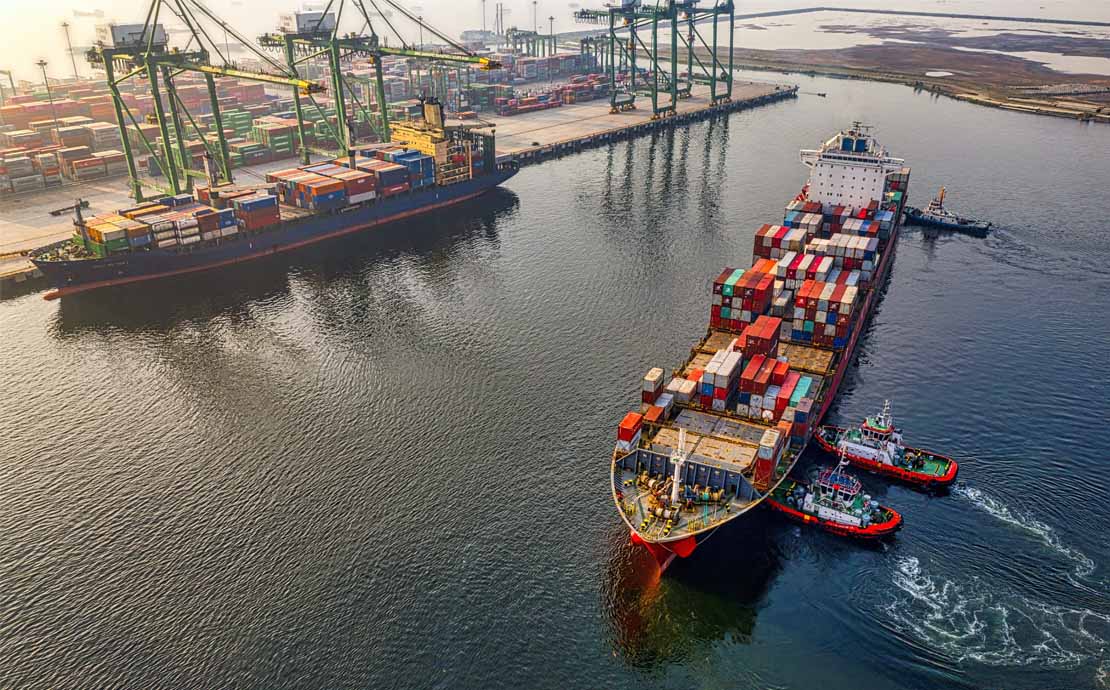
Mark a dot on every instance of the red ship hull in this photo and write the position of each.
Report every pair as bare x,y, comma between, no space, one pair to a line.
871,532
930,482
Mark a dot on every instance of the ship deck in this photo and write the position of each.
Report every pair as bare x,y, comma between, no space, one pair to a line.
721,448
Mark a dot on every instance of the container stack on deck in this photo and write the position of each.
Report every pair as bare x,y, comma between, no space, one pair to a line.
771,324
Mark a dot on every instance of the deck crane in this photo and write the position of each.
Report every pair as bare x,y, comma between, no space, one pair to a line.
143,51
629,19
322,39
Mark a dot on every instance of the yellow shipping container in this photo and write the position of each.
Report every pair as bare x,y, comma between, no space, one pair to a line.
149,210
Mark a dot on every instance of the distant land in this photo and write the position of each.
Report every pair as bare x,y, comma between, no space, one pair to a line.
964,67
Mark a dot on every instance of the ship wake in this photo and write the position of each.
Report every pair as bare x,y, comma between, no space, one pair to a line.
974,621
1021,519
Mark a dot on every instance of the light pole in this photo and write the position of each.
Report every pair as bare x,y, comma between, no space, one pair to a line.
535,19
49,96
420,23
551,32
69,46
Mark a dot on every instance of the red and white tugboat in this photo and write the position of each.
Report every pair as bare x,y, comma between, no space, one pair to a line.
876,445
835,502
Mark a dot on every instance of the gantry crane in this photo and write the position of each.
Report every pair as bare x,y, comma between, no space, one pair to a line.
144,52
322,39
628,19
530,42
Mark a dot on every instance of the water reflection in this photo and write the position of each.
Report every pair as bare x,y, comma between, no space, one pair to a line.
436,239
710,598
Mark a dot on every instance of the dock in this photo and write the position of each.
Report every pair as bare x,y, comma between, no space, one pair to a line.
540,135
26,223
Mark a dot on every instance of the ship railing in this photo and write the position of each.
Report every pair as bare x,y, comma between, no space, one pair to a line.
698,470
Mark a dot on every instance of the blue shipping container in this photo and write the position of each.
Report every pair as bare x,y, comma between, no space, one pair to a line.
254,203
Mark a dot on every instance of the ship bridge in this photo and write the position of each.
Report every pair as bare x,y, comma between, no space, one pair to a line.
849,169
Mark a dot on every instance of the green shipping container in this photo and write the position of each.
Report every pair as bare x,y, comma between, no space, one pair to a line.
117,245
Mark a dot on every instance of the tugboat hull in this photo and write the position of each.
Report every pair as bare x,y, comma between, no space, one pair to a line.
924,480
869,533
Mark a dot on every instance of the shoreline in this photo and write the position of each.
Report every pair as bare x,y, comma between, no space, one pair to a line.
979,94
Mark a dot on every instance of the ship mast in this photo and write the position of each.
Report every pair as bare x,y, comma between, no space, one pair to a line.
679,458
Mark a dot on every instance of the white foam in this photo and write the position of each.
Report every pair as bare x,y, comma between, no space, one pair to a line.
973,621
1021,519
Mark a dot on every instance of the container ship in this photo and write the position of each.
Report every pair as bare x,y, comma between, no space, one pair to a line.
717,436
427,166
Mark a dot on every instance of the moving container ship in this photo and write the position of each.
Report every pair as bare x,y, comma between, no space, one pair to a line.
428,166
718,435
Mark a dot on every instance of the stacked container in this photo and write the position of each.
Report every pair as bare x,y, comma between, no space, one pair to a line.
652,386
257,211
629,432
824,313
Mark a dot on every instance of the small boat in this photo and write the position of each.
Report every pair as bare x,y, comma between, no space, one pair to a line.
876,446
834,501
936,216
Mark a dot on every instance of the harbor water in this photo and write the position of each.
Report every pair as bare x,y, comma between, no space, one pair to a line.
383,462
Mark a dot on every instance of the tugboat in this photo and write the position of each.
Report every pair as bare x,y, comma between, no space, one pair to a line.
834,501
877,446
936,216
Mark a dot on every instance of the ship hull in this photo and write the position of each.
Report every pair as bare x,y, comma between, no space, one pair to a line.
916,217
72,277
665,551
869,533
929,482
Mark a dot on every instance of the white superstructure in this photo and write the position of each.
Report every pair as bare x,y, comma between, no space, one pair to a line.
849,169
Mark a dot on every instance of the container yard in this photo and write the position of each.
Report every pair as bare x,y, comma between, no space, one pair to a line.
190,130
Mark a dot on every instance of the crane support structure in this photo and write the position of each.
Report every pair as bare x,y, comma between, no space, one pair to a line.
314,43
658,76
147,55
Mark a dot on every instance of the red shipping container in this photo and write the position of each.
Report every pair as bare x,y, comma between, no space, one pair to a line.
714,322
695,375
720,393
778,374
648,397
720,281
396,189
628,427
747,377
654,414
705,400
763,376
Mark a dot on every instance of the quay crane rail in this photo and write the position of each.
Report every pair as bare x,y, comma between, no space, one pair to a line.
618,48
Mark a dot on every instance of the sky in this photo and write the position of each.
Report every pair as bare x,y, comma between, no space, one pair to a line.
34,29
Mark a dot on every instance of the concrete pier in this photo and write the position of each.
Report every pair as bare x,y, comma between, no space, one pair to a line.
538,135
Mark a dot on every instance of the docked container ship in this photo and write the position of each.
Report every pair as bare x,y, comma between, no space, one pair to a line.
426,167
716,436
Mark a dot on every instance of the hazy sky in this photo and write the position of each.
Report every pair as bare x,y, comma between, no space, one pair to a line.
33,28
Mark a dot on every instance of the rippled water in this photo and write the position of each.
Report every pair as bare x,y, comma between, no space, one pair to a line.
382,463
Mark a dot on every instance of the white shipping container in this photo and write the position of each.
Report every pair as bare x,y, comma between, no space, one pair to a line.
229,231
742,410
686,393
653,380
719,405
359,198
